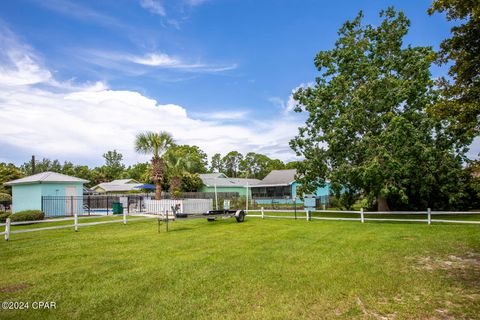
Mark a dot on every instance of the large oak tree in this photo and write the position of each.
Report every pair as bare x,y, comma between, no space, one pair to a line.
368,130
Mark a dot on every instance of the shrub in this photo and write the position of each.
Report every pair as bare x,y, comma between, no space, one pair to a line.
5,197
27,215
4,216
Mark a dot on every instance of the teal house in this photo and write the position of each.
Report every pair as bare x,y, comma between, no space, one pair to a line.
62,192
280,186
221,183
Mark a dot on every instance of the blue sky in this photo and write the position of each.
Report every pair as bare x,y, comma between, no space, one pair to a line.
216,73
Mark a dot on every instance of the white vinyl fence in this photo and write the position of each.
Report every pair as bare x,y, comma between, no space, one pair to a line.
364,216
185,206
76,224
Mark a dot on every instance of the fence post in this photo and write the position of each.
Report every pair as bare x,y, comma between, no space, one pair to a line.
362,218
429,212
124,217
7,229
75,222
263,213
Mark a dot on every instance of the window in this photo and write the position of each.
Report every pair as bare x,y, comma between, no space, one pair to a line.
279,192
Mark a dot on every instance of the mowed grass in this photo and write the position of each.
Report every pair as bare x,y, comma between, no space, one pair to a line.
259,269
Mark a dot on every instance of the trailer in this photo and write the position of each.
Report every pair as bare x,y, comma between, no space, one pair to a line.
213,215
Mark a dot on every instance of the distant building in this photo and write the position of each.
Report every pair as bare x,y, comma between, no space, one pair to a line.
118,186
281,187
27,192
226,184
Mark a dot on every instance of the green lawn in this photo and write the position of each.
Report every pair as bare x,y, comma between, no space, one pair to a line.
259,269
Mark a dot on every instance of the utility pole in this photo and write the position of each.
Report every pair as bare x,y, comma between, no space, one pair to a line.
33,165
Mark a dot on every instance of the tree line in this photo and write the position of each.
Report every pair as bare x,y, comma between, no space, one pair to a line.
182,166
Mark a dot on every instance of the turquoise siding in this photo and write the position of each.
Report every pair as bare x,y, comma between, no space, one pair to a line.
29,196
26,197
242,191
325,191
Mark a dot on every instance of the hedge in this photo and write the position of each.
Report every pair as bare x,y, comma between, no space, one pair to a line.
4,216
27,215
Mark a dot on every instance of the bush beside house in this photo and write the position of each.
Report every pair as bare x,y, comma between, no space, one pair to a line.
27,215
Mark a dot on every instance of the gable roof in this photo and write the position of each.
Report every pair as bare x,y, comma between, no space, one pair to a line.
124,181
46,176
278,178
118,185
110,187
221,180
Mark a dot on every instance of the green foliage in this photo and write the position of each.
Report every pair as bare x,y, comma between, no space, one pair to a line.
191,182
4,216
368,129
27,215
41,166
253,165
216,163
5,197
461,92
155,144
196,158
8,172
231,163
139,171
344,197
113,167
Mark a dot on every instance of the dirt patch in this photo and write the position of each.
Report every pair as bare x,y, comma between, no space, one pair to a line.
470,261
372,314
13,288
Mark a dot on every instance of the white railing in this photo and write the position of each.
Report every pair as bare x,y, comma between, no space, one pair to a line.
160,207
363,215
76,224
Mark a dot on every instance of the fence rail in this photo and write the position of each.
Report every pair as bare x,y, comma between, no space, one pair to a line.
76,224
364,216
61,206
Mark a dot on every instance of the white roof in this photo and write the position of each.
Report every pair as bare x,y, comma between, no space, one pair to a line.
110,187
47,176
118,185
124,181
221,180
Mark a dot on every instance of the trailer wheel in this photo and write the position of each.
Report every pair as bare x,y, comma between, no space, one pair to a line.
240,216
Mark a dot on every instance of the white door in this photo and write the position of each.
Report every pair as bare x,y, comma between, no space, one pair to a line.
71,203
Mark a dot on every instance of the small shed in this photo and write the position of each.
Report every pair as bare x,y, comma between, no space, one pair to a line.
27,192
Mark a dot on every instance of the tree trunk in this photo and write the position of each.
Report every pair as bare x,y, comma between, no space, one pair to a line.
158,190
175,187
157,176
382,204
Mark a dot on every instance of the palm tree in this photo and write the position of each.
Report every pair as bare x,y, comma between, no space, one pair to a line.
156,144
176,166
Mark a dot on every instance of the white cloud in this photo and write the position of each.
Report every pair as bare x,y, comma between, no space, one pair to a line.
156,60
222,115
130,63
291,103
79,122
19,65
154,7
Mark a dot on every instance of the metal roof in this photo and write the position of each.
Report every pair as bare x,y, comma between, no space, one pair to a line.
221,180
278,178
46,177
109,187
124,181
